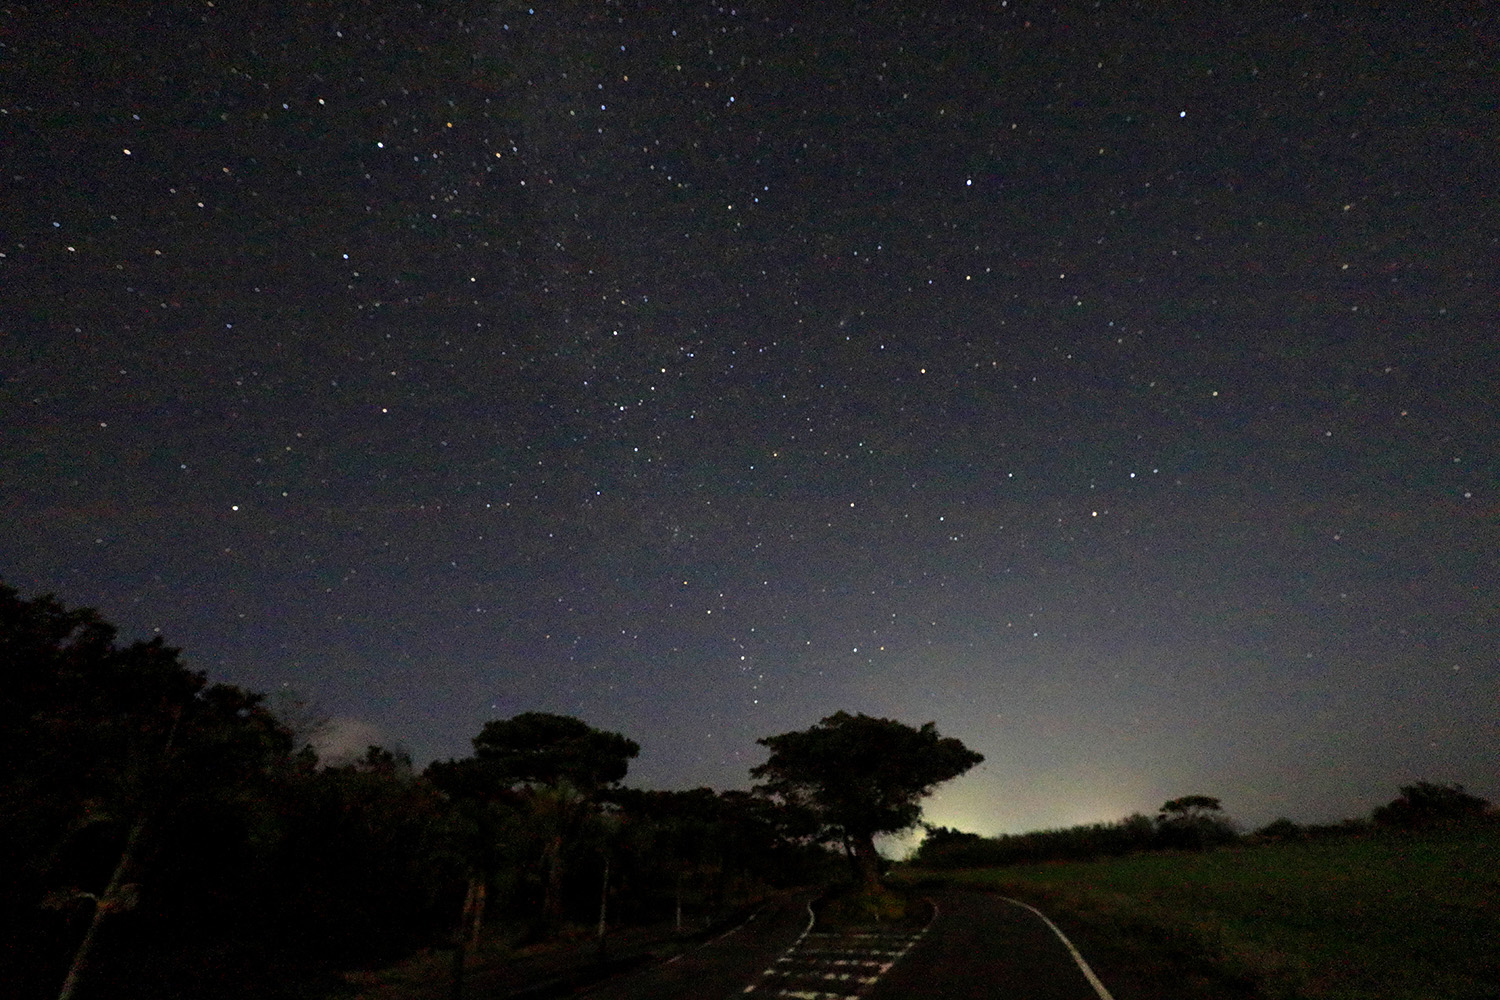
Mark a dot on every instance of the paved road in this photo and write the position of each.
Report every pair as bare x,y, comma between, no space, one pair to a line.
979,947
721,968
982,947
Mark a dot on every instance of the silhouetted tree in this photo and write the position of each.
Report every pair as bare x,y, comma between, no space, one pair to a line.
1428,804
1281,829
675,839
484,830
538,748
556,767
363,869
943,848
861,776
120,760
1193,822
764,839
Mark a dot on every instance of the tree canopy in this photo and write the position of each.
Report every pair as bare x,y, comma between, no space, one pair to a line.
1193,822
861,776
196,827
118,757
1428,804
1190,808
538,748
554,768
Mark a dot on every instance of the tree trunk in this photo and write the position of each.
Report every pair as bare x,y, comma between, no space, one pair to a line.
467,939
474,904
852,857
679,902
552,902
867,860
604,909
107,902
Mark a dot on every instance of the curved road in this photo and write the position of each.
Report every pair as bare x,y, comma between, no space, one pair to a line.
979,947
983,947
722,967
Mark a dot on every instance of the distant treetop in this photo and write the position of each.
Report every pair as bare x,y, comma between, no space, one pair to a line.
538,748
1428,804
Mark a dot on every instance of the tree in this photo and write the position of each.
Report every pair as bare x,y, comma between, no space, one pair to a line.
538,748
861,776
483,827
1193,822
676,838
563,763
344,822
1280,829
1190,809
119,757
1428,804
554,767
943,848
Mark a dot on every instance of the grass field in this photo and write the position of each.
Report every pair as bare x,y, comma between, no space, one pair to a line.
1405,917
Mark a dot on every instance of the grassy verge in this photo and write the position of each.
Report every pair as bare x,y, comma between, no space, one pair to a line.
1404,917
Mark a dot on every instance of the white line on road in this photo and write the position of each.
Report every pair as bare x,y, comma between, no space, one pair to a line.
1082,965
736,929
832,957
812,918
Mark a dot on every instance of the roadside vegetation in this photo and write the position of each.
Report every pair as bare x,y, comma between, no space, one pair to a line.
858,904
168,836
1404,906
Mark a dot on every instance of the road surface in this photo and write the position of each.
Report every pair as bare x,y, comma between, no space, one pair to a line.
978,947
983,947
720,968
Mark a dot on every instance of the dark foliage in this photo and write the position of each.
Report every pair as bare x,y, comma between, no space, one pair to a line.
166,838
861,776
1192,823
364,869
947,849
1281,829
1426,804
170,832
553,773
140,803
691,856
1284,830
537,748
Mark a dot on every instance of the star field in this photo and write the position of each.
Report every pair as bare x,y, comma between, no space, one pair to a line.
1113,384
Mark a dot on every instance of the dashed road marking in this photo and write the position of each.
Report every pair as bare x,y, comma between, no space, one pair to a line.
836,965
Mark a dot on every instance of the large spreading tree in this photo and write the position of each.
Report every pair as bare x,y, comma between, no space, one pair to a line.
554,769
861,776
1193,822
538,748
1429,804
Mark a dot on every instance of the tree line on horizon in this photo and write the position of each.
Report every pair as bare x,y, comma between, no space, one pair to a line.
1193,823
168,836
171,836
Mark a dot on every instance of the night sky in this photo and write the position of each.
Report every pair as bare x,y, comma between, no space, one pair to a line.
1116,385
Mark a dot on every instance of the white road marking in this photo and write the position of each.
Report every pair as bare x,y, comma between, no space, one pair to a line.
853,960
1083,966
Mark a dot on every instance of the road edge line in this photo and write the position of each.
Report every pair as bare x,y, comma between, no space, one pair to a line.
812,918
1083,966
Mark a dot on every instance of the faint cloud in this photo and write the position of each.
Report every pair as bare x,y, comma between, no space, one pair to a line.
343,740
